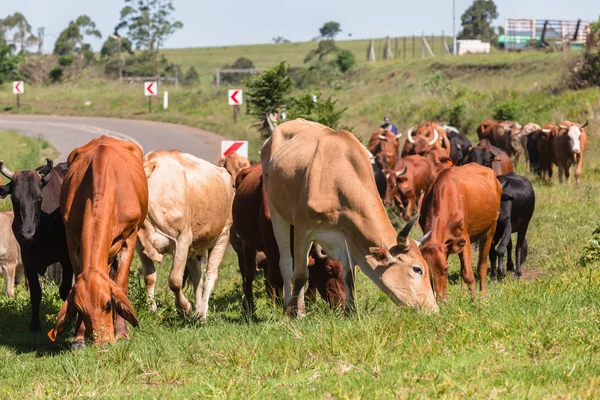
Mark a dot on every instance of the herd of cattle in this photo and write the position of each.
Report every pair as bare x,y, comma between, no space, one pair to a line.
316,192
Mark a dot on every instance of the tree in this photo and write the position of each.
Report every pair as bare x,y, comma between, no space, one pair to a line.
268,91
8,63
19,27
345,60
330,29
312,108
279,40
191,76
111,47
71,40
233,77
149,24
477,21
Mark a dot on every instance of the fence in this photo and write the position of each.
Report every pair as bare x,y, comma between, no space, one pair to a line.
409,47
529,33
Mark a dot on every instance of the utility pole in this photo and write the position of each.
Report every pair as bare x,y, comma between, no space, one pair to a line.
119,61
454,27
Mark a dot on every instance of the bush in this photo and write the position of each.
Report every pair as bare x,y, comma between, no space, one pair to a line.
591,252
345,60
510,110
436,83
456,115
321,111
56,74
234,78
66,60
191,77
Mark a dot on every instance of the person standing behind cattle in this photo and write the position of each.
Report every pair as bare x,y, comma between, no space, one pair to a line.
103,201
388,126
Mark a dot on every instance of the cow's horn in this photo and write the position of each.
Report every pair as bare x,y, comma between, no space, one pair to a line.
586,124
320,252
270,122
546,130
409,135
435,137
382,137
402,239
560,126
400,173
47,168
5,171
423,238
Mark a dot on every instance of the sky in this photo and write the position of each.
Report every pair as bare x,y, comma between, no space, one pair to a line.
226,22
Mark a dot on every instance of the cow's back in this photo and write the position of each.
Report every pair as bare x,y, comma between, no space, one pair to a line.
187,194
248,203
419,170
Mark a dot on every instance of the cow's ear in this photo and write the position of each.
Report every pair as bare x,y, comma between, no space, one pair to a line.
446,161
456,245
496,158
381,255
4,191
122,305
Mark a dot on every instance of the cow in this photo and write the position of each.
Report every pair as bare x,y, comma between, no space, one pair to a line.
252,222
11,266
384,147
334,202
233,163
459,144
489,156
516,209
505,135
197,220
432,135
406,183
569,145
438,160
38,227
529,138
461,207
103,202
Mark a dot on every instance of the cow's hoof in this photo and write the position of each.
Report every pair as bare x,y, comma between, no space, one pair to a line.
78,345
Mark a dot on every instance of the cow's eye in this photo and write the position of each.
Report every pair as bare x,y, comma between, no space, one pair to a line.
108,306
417,269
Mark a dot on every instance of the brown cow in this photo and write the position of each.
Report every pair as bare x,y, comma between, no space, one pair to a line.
569,144
383,145
489,156
505,135
104,200
438,160
461,207
252,222
334,201
432,135
234,163
406,183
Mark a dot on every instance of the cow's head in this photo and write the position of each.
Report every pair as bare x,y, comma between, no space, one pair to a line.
482,154
515,142
97,299
403,272
574,131
396,181
25,189
234,163
325,276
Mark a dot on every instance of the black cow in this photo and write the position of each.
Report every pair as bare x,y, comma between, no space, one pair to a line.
380,180
533,153
516,209
459,144
38,227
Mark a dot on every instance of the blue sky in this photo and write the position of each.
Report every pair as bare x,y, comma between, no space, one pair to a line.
246,22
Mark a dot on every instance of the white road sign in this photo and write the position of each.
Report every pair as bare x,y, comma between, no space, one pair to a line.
234,97
18,87
239,146
150,89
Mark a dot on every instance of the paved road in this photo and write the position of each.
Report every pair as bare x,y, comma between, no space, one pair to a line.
67,133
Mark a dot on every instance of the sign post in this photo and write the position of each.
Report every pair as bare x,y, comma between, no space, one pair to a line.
235,99
18,89
150,89
239,146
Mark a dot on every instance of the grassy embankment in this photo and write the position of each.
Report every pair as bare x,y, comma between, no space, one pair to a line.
534,338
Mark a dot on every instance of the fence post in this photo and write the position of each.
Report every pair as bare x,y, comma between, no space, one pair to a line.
396,53
432,42
443,52
218,77
414,46
404,48
422,46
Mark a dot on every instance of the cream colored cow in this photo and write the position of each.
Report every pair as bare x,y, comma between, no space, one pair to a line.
321,182
11,266
189,212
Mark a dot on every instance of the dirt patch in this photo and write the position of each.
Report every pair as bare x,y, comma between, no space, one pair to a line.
532,274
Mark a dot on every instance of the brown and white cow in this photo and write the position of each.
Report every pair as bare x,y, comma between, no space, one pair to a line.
425,136
569,145
334,202
252,222
104,200
460,207
11,266
383,145
189,213
406,183
233,163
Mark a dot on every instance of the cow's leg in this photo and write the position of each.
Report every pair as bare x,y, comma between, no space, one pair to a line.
521,250
579,168
510,266
149,272
194,266
123,265
568,173
412,200
249,255
282,236
482,264
348,276
501,247
79,339
560,173
180,255
212,272
466,270
19,273
302,246
67,278
35,294
9,279
493,259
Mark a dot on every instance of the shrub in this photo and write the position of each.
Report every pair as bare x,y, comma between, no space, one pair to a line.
56,74
66,60
508,110
345,60
191,77
234,78
591,251
321,111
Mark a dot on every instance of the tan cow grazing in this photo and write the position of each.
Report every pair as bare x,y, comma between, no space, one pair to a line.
234,163
11,266
383,145
334,202
425,136
406,183
189,213
103,201
461,207
569,144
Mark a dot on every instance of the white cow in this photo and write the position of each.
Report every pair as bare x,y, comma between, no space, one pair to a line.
189,212
11,266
